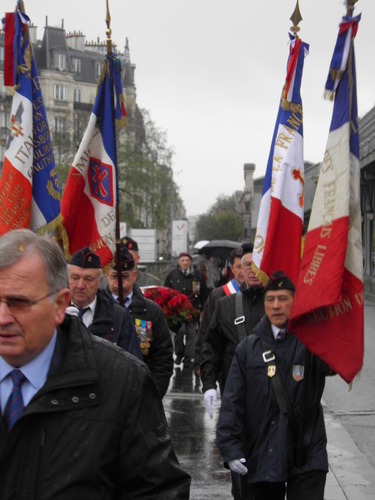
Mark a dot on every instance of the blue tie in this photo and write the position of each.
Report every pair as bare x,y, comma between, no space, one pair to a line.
14,404
81,312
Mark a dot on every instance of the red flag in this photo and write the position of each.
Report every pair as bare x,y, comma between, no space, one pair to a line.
327,311
90,194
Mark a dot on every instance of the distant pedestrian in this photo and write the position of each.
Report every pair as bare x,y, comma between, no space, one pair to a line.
189,281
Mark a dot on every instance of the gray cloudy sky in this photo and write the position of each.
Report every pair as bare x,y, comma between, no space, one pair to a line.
211,73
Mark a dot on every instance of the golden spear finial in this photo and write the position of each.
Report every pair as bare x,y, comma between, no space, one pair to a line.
350,7
108,30
296,18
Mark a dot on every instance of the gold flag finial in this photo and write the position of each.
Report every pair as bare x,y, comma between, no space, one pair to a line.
350,7
108,31
296,18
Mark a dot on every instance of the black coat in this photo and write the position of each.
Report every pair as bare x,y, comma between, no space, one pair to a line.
193,285
222,335
96,430
154,338
113,322
250,423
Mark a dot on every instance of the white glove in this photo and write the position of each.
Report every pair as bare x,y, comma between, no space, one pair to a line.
210,398
236,466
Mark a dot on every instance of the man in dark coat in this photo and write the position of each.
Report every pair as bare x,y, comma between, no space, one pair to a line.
256,436
223,336
98,311
152,329
189,281
228,288
81,418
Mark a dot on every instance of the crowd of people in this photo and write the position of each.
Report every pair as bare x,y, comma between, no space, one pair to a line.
84,366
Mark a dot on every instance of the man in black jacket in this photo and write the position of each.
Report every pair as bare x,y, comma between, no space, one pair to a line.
98,311
86,419
189,281
258,428
223,336
152,329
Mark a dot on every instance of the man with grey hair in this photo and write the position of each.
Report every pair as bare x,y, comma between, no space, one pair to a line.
98,311
81,418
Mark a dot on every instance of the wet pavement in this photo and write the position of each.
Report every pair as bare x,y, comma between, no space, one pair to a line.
193,437
350,476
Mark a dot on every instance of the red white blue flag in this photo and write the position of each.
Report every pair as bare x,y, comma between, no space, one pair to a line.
29,196
88,203
277,242
327,311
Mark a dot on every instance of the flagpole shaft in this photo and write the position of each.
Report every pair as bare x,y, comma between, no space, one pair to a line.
350,7
117,223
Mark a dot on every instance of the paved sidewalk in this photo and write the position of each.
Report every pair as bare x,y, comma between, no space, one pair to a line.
350,475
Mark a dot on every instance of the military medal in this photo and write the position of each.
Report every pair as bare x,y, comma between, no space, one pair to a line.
271,370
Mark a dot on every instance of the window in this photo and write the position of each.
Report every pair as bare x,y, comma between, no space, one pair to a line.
59,92
98,68
77,94
76,65
60,125
4,119
61,61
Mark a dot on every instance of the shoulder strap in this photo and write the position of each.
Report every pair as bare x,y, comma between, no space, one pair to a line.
280,393
240,317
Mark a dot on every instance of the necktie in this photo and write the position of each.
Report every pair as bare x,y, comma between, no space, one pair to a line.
281,335
14,404
81,311
126,301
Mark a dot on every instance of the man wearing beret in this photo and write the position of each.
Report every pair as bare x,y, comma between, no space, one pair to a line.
152,329
99,312
262,401
189,281
143,278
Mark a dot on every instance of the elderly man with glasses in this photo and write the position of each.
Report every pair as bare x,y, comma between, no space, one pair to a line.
81,417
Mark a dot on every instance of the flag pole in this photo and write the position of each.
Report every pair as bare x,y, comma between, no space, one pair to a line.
296,18
117,225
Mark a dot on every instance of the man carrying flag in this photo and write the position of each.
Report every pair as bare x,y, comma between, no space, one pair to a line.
91,193
327,312
277,243
29,193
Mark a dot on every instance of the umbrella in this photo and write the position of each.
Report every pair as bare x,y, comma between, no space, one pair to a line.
219,249
200,244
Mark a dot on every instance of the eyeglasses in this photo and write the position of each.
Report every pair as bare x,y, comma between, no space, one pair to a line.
18,304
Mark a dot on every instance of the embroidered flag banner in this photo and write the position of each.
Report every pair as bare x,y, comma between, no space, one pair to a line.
91,192
277,242
29,196
327,312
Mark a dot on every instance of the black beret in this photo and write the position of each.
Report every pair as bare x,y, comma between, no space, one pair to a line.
279,281
127,260
129,243
246,247
85,258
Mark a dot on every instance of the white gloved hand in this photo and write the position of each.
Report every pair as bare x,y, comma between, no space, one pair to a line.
237,466
210,398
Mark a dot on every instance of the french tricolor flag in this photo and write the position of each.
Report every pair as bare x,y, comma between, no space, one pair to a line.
29,195
277,242
88,203
327,313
